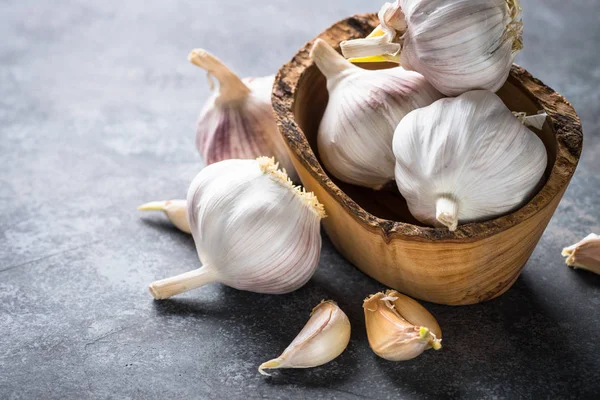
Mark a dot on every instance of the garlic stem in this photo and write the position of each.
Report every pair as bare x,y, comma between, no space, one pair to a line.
172,286
329,61
446,212
231,87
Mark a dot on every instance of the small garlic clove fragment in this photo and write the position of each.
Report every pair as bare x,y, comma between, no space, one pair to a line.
398,327
324,337
584,254
532,121
176,211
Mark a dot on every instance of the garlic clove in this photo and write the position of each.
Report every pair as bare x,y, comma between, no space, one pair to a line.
584,254
237,122
356,132
457,45
466,159
253,229
324,337
176,211
399,328
383,57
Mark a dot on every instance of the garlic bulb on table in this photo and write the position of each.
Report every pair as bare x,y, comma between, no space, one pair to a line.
458,45
465,159
238,121
253,230
324,337
356,132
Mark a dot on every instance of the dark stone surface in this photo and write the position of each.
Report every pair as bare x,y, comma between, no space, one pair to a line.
97,113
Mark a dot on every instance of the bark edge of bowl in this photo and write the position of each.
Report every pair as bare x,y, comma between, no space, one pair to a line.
476,263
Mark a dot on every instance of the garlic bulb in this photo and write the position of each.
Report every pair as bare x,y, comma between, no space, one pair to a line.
356,132
398,327
238,121
585,254
176,211
458,45
253,230
465,159
324,337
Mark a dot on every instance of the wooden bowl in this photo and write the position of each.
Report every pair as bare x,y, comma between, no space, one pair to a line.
375,231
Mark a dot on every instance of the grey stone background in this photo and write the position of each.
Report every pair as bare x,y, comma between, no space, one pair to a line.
97,112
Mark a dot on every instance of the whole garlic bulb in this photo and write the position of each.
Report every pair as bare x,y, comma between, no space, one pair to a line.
253,230
458,45
238,121
465,159
364,108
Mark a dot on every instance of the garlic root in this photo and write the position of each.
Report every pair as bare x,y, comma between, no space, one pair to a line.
169,287
584,254
324,337
176,211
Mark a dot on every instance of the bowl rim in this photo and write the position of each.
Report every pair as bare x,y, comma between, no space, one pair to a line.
563,120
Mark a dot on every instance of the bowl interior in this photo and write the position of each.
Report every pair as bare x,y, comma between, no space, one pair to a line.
309,107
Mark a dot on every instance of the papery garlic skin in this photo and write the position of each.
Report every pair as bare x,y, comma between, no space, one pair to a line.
176,211
238,121
356,131
466,159
398,327
324,337
253,230
584,254
458,45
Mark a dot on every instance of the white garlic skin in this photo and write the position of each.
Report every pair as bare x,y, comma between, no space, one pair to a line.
466,159
252,229
356,132
461,45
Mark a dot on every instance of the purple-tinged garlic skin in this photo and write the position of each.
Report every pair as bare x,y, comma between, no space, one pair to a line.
237,122
584,254
356,132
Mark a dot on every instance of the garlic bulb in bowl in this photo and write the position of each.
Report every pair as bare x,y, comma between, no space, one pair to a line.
253,230
466,159
458,45
356,131
238,121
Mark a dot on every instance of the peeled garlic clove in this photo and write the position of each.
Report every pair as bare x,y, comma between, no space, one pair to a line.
324,337
176,211
585,254
466,159
457,45
399,328
356,132
238,121
253,230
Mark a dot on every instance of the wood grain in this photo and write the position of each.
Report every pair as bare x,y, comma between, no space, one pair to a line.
375,231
